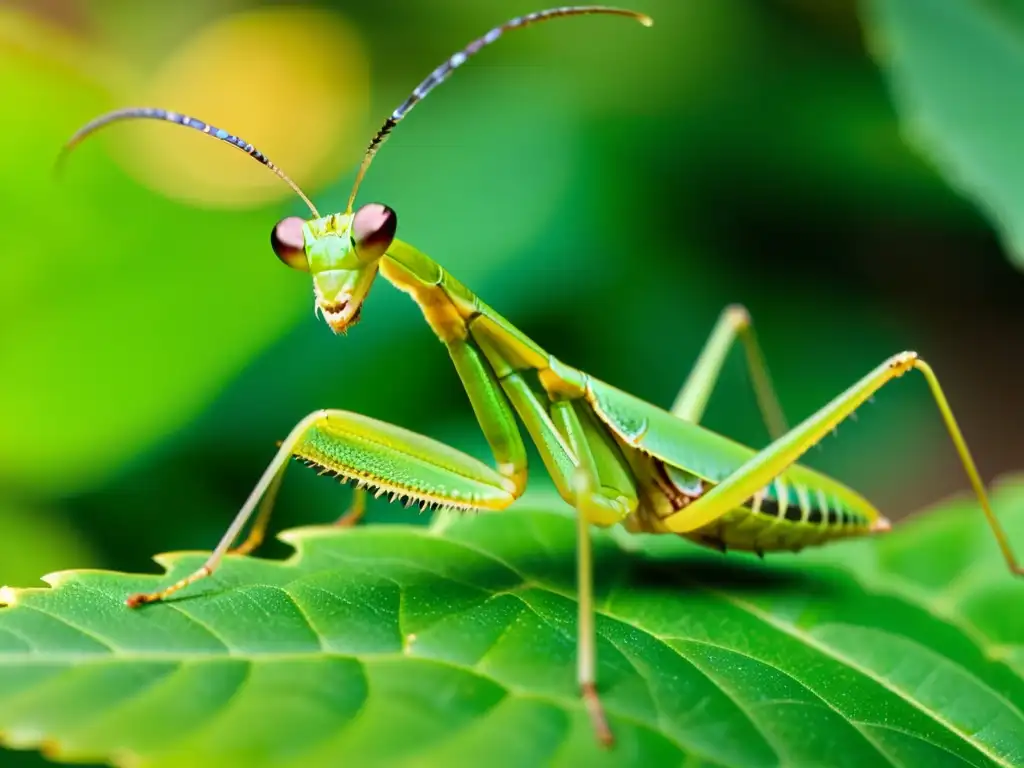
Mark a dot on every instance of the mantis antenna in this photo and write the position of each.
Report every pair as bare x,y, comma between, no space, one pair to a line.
435,78
455,61
151,113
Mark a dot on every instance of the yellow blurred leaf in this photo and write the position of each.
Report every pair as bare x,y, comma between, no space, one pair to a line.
292,81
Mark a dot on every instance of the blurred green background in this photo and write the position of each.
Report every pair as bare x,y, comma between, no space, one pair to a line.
607,187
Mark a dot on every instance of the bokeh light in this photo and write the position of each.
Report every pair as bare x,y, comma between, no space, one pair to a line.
291,80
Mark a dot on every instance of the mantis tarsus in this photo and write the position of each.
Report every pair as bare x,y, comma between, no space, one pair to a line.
614,457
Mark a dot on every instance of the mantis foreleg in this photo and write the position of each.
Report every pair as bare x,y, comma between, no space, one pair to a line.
760,470
493,414
393,459
351,516
734,323
356,510
266,507
270,479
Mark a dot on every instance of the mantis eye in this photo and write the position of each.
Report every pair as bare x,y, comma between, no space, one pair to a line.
289,244
373,230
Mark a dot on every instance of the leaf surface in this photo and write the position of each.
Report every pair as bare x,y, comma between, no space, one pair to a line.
955,68
410,646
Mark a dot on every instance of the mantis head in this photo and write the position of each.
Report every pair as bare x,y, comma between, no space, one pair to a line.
341,251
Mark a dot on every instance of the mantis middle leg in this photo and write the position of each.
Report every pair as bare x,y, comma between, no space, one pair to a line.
590,474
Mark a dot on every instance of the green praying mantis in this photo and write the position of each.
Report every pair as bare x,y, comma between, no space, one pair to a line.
613,457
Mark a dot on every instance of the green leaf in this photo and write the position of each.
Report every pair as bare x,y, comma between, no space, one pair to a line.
392,645
955,69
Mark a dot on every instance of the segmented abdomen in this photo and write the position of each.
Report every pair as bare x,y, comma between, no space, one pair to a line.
785,516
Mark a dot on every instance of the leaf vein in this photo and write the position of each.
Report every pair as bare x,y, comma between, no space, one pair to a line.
201,624
307,619
824,702
71,625
857,667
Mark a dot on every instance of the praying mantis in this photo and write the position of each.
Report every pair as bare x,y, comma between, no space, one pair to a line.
613,457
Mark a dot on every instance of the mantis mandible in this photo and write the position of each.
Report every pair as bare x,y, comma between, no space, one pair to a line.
613,457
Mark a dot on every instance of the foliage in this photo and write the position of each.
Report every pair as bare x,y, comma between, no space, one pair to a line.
955,68
404,646
152,349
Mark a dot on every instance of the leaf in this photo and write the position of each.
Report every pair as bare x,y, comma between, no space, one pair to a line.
955,68
393,645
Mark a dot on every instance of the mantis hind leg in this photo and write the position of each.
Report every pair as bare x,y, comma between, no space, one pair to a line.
764,466
734,323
